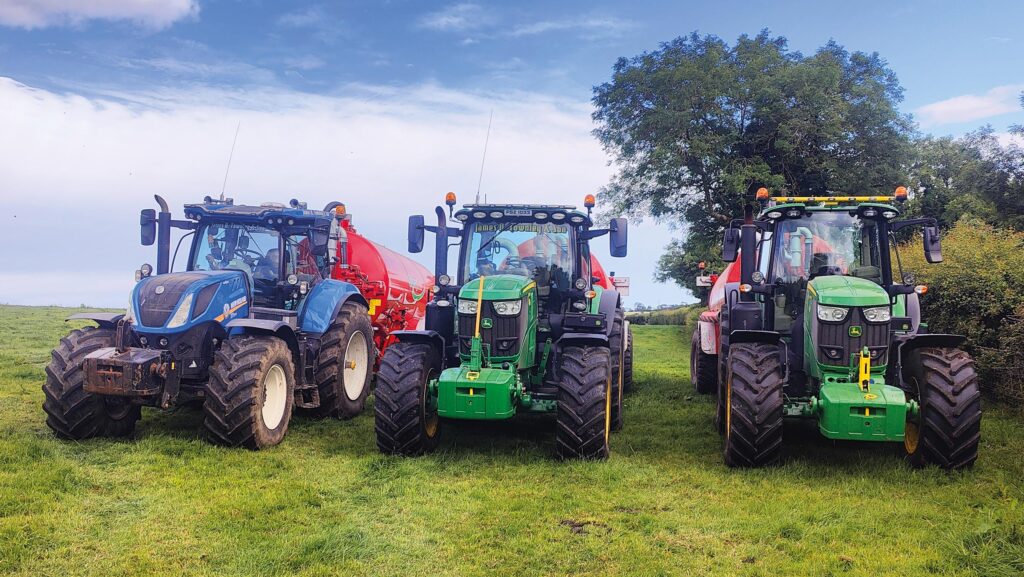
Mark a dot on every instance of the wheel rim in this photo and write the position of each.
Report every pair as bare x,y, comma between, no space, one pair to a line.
693,364
275,396
608,410
353,377
431,421
728,409
911,437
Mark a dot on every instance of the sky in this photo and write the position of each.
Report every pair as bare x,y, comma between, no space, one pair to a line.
384,106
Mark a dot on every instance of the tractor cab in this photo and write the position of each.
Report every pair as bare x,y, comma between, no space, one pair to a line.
283,251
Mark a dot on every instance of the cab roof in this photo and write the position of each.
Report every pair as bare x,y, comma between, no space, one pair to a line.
268,213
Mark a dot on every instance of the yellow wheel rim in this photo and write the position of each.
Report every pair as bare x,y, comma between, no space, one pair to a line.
728,407
608,410
430,421
911,436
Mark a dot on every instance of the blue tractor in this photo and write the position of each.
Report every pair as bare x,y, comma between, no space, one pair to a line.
254,327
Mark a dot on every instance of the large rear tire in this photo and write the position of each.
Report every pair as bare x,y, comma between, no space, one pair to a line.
753,428
251,392
71,412
948,429
584,403
405,413
345,367
703,367
617,350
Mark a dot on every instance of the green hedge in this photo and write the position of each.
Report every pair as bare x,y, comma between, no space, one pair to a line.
978,291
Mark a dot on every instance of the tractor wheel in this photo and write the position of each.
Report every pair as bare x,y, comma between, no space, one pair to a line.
948,429
73,413
627,362
251,392
720,399
753,427
584,403
345,367
617,349
703,367
406,419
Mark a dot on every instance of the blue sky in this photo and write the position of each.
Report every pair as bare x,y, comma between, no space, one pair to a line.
384,104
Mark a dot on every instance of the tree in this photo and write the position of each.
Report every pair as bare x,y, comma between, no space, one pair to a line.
697,125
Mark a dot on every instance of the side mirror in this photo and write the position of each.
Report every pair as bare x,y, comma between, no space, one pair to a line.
243,242
416,233
932,246
318,240
618,237
731,244
147,223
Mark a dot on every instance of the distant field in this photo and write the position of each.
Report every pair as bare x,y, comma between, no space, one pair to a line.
492,501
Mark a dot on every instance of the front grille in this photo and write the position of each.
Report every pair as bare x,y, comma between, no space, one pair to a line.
874,336
502,338
154,309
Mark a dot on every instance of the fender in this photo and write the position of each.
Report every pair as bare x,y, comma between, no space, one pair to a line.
587,339
324,302
104,320
608,305
707,331
931,340
432,338
279,329
747,336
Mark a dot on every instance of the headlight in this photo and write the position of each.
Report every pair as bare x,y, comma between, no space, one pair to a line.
508,308
878,314
832,314
181,315
467,306
580,284
444,280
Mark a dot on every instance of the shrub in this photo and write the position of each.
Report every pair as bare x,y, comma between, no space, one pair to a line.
978,291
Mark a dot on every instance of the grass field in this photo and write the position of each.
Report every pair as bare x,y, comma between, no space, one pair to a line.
492,500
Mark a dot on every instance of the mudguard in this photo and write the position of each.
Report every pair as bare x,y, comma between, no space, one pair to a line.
104,320
585,339
279,329
324,302
931,340
432,338
608,304
748,336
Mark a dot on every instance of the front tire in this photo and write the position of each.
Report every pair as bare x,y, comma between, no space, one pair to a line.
703,367
345,367
251,392
71,412
948,429
405,413
753,428
584,403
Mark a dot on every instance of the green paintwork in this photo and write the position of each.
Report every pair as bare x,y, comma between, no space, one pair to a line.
844,411
487,394
480,388
846,291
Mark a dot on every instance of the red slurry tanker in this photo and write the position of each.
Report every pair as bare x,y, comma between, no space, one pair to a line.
395,286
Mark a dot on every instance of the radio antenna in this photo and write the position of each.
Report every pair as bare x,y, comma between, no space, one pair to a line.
484,159
230,156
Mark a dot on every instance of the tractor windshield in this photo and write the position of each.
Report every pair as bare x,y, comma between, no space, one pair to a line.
827,243
267,256
528,249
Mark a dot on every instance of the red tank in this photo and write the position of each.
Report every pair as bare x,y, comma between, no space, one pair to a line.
395,286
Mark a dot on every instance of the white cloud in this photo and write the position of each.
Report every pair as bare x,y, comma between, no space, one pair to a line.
385,151
970,107
1008,139
592,27
456,18
43,13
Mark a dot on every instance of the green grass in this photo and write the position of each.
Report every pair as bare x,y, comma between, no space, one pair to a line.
492,500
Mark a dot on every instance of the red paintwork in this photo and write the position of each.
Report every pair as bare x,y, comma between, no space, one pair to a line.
604,281
396,287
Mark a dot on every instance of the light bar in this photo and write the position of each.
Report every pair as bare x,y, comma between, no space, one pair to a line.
834,198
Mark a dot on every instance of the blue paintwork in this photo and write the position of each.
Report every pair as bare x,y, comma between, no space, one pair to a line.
318,309
232,292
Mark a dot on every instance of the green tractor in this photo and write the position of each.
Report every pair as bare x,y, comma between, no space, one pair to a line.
525,326
816,326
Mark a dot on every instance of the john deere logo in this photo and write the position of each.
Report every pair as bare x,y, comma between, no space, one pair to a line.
486,323
855,331
870,397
